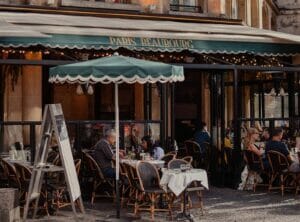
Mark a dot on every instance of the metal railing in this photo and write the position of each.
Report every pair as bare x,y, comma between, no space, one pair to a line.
291,122
82,134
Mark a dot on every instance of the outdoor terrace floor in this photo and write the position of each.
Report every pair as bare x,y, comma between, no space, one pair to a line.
220,205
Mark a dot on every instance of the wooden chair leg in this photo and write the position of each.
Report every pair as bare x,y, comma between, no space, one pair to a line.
190,203
273,176
136,207
296,184
282,185
181,202
93,193
200,201
152,207
247,178
255,182
169,199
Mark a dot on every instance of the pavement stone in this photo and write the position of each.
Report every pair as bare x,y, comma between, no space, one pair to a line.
220,205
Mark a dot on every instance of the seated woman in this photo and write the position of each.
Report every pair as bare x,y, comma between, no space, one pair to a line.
154,149
252,137
249,144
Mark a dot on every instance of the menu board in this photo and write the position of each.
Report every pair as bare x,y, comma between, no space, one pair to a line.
66,156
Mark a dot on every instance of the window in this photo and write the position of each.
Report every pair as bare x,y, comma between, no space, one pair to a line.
275,106
265,17
128,5
255,14
115,1
228,8
242,10
187,5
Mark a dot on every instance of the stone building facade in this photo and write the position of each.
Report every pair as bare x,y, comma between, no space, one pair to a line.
289,19
24,102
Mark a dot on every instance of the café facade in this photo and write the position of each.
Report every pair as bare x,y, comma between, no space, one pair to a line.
235,76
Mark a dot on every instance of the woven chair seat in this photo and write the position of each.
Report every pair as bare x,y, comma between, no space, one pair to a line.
155,190
197,188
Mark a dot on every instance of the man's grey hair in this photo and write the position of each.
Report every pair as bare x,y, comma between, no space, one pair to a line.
110,132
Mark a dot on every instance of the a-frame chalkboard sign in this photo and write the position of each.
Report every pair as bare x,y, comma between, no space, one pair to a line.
53,125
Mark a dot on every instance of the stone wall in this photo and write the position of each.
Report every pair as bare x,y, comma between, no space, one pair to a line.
289,19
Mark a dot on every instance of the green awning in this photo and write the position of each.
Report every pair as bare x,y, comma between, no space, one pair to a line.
154,44
116,69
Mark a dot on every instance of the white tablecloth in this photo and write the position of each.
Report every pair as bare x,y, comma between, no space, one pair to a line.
158,163
178,181
294,157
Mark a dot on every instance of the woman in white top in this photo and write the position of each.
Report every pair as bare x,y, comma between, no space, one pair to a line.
155,150
158,152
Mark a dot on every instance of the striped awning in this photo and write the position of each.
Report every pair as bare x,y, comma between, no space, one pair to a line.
86,32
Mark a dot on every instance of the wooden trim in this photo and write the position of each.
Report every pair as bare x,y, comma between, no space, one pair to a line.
119,14
273,6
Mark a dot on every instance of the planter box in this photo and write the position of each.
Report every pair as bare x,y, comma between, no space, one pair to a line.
9,205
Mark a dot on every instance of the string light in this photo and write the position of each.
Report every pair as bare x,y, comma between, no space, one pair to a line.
243,59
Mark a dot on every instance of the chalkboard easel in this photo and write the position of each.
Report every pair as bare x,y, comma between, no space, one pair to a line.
53,124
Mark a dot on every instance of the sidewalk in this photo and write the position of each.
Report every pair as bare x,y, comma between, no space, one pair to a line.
220,205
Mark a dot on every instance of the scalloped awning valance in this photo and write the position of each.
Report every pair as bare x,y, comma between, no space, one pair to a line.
85,32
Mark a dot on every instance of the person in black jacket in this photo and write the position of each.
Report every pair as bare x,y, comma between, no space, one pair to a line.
104,154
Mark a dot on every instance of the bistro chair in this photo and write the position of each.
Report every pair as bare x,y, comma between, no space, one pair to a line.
188,159
255,168
167,158
3,175
193,149
59,190
52,156
11,174
134,188
193,187
151,191
24,174
98,179
280,169
125,184
56,160
172,153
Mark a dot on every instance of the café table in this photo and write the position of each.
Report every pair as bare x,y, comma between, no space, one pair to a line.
178,182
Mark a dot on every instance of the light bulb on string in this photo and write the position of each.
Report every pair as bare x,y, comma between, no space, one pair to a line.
282,92
79,90
273,92
90,90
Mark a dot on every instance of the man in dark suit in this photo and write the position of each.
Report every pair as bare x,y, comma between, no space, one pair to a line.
104,153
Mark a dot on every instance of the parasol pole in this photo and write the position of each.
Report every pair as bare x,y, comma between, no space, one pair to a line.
117,149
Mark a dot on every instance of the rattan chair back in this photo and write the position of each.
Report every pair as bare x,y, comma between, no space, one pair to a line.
189,159
176,163
277,161
253,161
12,175
167,158
148,176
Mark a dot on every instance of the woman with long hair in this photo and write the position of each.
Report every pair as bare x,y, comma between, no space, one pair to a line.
250,139
249,144
153,148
